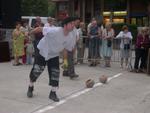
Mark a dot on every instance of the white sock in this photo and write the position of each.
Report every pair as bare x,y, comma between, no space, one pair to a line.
31,84
54,89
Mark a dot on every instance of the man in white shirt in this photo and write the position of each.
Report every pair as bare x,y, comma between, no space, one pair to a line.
49,48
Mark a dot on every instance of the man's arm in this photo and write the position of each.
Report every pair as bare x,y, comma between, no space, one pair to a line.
36,30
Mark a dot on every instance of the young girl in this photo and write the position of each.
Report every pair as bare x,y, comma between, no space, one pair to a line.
29,52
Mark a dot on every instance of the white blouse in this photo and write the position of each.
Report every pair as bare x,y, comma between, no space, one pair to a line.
125,38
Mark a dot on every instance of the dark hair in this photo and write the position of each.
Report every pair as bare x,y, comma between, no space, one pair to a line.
76,18
17,23
66,21
125,27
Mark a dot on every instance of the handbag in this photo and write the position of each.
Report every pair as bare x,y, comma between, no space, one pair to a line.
109,43
126,46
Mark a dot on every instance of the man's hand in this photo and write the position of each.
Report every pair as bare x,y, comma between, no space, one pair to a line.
65,63
37,30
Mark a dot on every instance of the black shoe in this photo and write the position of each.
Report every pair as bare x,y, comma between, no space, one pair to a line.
94,64
16,64
30,92
135,70
141,70
74,76
53,96
65,73
91,64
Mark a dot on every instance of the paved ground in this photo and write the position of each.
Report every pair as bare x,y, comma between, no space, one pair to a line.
124,93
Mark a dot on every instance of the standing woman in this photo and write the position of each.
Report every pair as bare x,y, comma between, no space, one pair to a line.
142,41
106,49
126,38
18,43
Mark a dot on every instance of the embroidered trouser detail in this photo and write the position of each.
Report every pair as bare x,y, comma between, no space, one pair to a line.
53,70
36,72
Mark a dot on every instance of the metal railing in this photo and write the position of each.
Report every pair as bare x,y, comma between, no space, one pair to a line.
85,54
6,36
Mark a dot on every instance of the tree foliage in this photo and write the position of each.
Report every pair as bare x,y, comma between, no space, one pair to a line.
51,9
34,7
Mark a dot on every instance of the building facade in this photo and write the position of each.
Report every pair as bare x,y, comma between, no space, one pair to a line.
116,11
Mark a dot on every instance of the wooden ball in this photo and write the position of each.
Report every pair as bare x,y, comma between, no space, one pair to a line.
103,79
89,83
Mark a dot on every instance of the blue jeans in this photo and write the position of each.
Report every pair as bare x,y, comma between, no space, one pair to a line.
29,59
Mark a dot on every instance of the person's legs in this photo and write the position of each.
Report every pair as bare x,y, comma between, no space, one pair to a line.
54,72
121,64
27,59
107,61
65,67
30,59
126,62
16,60
97,55
122,54
78,54
146,58
37,69
143,59
105,58
95,52
109,64
127,56
92,46
24,59
71,69
90,51
137,58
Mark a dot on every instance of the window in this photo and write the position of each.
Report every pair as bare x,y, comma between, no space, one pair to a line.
145,21
139,21
133,20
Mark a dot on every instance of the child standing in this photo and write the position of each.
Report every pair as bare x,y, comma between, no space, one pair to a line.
29,52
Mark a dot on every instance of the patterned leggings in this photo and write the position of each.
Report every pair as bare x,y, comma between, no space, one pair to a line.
39,66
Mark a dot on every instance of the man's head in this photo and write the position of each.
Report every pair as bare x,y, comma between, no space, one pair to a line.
76,21
82,25
68,24
38,19
94,22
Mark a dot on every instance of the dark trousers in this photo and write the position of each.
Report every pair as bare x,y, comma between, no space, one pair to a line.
39,66
94,44
70,60
140,55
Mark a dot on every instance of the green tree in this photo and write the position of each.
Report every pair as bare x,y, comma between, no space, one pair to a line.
51,9
34,7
